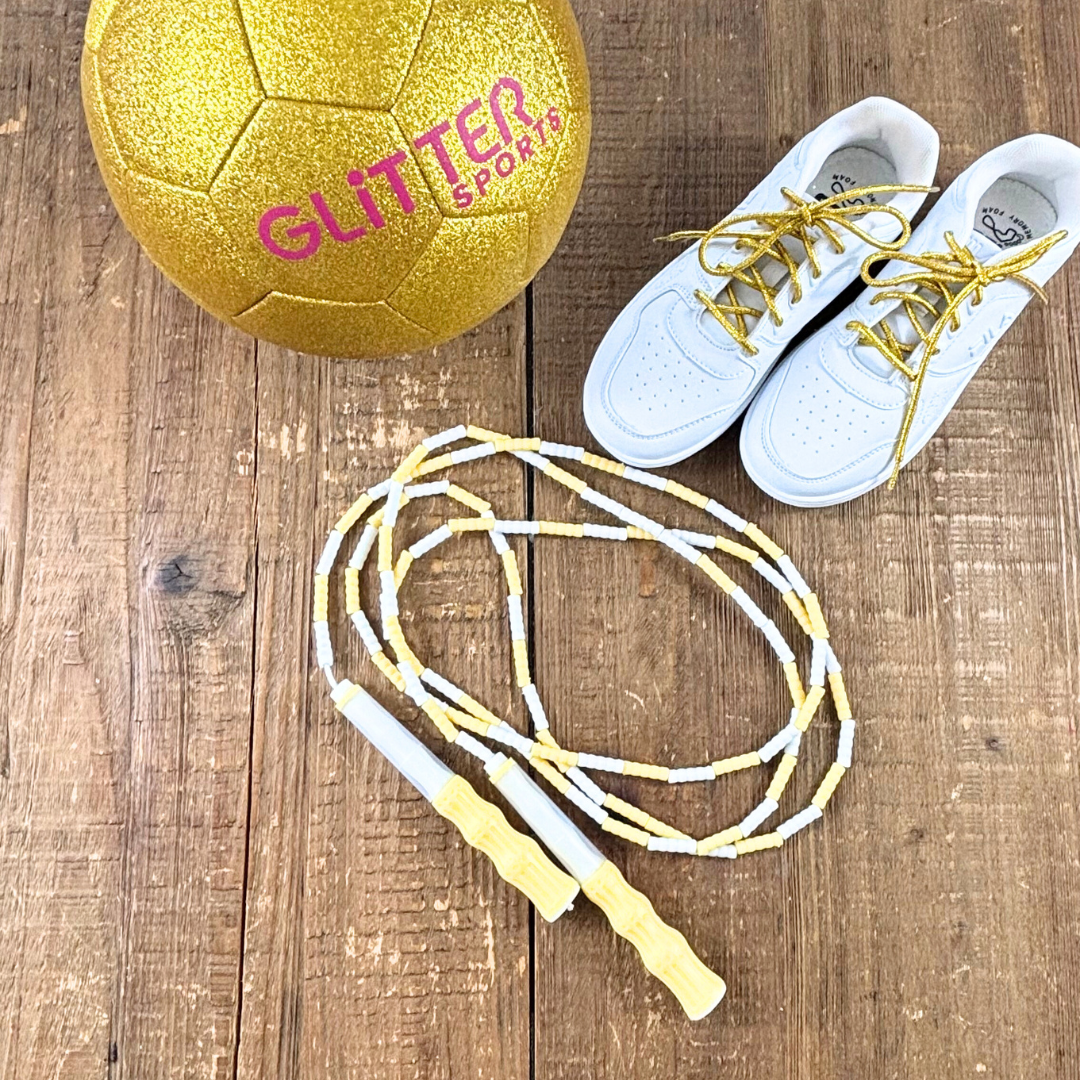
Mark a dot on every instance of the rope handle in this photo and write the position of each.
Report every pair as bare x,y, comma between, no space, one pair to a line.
664,951
518,858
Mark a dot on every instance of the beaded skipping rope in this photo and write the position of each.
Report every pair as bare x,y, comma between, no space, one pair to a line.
462,720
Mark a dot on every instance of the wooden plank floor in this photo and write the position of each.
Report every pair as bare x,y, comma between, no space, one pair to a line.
205,874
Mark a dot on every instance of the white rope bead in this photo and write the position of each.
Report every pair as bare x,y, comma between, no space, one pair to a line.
771,574
442,686
367,634
363,548
471,453
330,553
600,763
474,747
324,653
680,547
430,542
761,813
646,479
691,775
583,802
535,707
787,568
798,821
725,515
726,852
561,450
435,442
845,743
679,845
593,791
517,621
697,539
425,491
605,532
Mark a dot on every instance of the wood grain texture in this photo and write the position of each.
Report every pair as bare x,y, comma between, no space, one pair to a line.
205,873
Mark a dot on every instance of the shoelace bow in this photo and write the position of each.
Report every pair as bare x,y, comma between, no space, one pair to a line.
827,216
939,274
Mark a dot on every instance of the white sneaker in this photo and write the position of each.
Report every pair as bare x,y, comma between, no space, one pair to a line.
685,356
861,397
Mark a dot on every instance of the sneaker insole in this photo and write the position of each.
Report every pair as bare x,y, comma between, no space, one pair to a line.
1012,212
852,167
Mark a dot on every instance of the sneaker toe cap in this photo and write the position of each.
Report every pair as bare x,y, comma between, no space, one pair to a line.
649,400
810,440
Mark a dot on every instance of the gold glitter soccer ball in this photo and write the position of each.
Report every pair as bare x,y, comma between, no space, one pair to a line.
349,177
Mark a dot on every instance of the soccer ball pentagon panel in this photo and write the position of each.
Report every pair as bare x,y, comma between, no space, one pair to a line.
349,177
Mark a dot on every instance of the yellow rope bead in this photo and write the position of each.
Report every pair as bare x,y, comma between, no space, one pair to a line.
510,569
825,790
689,495
471,524
352,590
353,514
386,548
736,764
467,498
795,686
551,775
467,721
634,533
817,620
521,662
574,483
544,736
781,777
740,551
472,705
443,461
509,446
484,435
809,707
640,817
758,843
439,718
769,546
791,598
405,560
595,461
560,528
839,694
407,469
627,832
719,840
321,603
642,768
714,571
565,759
386,666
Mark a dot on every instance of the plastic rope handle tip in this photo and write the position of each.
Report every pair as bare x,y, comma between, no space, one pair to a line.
664,951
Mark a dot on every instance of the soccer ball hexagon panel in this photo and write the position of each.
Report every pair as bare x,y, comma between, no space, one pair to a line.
350,177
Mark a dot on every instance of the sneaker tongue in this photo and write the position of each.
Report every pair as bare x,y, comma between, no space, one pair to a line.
984,249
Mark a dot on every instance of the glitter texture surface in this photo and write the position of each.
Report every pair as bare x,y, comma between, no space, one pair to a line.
350,177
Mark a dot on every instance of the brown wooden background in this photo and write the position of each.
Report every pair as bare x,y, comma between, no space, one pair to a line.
205,873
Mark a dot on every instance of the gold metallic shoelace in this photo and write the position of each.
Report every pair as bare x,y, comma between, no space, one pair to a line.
827,216
939,274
